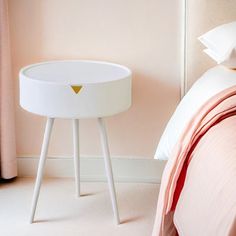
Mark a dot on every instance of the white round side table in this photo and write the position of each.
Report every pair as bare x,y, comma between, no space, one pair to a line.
75,89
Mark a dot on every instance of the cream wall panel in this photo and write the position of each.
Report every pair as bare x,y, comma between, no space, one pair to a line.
203,15
144,35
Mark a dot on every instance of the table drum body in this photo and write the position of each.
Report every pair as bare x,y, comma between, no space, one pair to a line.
75,89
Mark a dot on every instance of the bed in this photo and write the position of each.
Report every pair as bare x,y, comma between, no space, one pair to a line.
198,195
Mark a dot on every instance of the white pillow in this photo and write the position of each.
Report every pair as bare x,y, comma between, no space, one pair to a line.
212,82
221,44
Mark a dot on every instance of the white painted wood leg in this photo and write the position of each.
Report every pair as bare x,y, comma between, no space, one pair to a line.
76,156
108,167
43,156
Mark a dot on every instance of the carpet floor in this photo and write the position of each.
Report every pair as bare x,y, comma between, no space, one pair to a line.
60,213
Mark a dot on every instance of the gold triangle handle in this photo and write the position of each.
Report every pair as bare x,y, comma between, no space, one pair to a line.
76,88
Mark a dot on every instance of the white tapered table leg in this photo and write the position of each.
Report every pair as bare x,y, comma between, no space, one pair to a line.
76,156
43,155
108,167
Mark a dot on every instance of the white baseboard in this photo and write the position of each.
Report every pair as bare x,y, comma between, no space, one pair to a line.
92,168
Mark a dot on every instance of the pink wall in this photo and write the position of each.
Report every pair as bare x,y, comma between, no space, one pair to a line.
141,34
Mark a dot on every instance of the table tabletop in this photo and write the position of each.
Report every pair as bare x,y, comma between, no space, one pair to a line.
76,72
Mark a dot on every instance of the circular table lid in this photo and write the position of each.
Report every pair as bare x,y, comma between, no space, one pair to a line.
76,72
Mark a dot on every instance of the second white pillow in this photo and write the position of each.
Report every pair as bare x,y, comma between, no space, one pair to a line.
221,44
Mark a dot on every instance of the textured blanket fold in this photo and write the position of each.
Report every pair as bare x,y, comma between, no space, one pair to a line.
211,115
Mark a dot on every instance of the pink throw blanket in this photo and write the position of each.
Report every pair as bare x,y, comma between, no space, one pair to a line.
185,185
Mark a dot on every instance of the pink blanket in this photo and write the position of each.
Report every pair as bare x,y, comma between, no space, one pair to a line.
198,189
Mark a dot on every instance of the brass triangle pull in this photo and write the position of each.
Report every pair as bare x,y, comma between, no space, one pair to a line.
76,88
